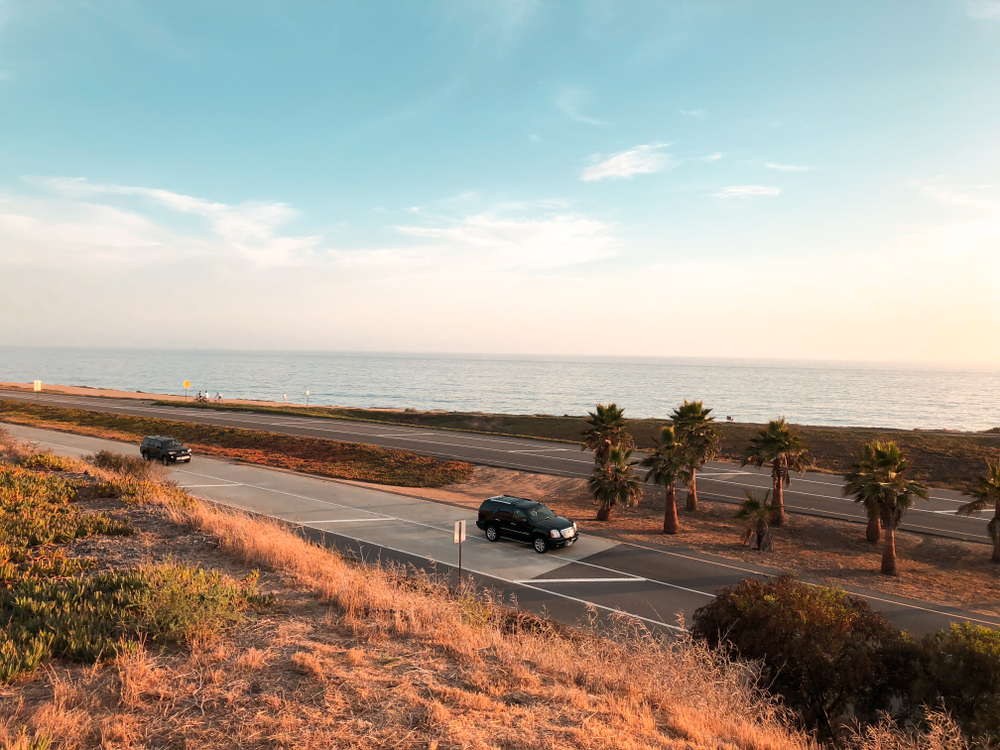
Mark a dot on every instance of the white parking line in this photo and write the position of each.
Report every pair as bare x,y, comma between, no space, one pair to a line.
352,520
579,580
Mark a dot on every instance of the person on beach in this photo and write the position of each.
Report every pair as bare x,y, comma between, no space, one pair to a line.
286,398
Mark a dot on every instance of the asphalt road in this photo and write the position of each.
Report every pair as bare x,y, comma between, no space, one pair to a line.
812,493
657,585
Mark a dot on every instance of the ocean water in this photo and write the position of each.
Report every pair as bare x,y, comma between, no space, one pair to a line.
819,393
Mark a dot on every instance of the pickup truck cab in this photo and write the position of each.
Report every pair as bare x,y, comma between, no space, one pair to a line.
164,449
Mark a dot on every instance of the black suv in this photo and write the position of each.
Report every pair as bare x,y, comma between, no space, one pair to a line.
165,449
526,521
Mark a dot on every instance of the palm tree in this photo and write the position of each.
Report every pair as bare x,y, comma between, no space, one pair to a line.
877,480
865,461
756,512
614,482
986,493
665,465
784,451
695,430
606,430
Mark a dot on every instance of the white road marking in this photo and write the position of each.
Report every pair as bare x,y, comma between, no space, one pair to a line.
578,580
191,486
352,520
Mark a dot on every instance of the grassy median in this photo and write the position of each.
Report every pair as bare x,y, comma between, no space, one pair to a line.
329,458
942,459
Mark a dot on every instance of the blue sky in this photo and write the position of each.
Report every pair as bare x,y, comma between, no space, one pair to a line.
755,179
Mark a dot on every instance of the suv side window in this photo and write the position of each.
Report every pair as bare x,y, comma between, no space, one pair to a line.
520,516
504,514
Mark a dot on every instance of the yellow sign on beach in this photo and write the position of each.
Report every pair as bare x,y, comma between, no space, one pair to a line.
187,383
38,386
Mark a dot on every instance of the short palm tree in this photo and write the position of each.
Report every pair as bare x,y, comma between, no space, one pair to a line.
664,466
987,493
606,430
784,452
756,513
877,480
615,483
693,426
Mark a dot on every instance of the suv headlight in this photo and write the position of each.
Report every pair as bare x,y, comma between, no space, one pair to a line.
555,533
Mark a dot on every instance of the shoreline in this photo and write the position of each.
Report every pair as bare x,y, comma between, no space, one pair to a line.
327,410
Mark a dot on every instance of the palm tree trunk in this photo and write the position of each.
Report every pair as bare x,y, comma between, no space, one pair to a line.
889,552
874,531
996,536
603,512
670,512
778,498
692,492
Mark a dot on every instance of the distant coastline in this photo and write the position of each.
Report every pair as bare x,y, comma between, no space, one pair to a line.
825,394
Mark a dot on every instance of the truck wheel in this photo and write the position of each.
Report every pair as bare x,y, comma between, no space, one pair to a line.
541,546
492,534
166,460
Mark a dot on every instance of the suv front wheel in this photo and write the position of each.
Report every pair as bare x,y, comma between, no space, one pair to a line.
166,460
541,546
492,534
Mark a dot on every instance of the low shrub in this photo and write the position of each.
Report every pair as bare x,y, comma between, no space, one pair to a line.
183,602
130,466
50,606
961,670
825,652
49,462
834,659
86,618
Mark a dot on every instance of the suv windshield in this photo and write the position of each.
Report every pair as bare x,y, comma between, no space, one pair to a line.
540,513
171,444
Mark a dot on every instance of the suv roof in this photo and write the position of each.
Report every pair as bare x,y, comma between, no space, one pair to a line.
520,502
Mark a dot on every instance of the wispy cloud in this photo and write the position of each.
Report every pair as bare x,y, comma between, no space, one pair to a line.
487,241
978,219
107,225
745,191
786,167
571,100
645,159
987,9
712,157
944,190
696,114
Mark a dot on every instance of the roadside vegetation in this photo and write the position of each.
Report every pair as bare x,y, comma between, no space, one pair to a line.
263,639
840,663
329,458
941,458
878,477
